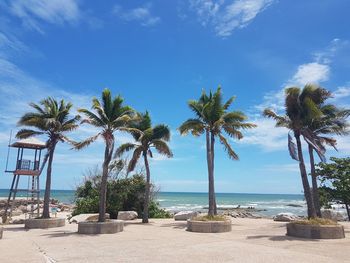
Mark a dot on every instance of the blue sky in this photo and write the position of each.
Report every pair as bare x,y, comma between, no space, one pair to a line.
158,55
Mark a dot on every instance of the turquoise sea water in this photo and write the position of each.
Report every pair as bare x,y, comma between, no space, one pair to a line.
175,201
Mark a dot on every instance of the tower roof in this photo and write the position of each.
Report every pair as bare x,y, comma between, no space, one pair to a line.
29,143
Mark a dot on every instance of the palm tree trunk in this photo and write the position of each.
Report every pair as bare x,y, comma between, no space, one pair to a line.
210,176
46,209
212,144
147,192
103,189
347,210
315,195
311,212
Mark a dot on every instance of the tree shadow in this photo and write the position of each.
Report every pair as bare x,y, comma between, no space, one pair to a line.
60,233
282,238
176,225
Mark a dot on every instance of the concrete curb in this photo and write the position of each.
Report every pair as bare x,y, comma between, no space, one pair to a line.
108,227
315,231
41,223
209,226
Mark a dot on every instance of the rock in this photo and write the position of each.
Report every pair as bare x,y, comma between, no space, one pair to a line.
285,217
127,215
294,205
17,221
85,217
184,215
332,215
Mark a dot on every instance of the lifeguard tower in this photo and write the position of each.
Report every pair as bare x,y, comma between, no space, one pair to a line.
27,165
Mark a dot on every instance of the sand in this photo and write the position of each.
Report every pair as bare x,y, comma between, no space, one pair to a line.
164,240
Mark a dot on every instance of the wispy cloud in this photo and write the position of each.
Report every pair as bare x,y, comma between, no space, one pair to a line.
226,17
270,138
34,12
140,14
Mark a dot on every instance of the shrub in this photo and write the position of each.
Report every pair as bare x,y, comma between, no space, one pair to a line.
156,212
123,194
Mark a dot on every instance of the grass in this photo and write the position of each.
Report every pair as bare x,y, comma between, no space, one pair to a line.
210,218
316,221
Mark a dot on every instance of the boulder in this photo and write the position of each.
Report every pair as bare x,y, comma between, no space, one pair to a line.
332,215
127,215
17,221
185,215
85,217
285,217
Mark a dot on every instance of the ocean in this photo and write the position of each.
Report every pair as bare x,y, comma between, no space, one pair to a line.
271,204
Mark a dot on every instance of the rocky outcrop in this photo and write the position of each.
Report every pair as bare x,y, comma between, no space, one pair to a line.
285,217
332,215
127,215
242,213
185,215
85,217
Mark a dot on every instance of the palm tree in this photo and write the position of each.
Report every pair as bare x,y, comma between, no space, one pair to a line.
214,120
50,118
302,107
332,122
146,137
109,115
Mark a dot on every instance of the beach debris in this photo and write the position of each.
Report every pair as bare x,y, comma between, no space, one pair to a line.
85,217
184,215
332,215
285,217
127,215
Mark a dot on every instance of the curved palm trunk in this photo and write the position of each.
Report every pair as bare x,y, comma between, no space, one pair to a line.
347,210
211,211
103,190
212,144
315,195
147,192
46,208
311,212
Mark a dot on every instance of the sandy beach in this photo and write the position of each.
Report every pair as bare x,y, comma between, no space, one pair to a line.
164,240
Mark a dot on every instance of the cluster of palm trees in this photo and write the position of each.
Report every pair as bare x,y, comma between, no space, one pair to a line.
309,116
109,115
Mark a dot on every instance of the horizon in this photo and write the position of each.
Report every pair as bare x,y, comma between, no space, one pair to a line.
158,56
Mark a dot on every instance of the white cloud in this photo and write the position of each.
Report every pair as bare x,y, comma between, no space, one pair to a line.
266,135
33,12
310,73
341,92
141,14
225,18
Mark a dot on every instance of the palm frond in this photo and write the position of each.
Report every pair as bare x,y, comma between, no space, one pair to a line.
231,153
135,157
124,148
195,126
86,142
162,147
26,133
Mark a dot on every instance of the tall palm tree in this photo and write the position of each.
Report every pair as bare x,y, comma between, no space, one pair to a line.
332,122
146,137
302,107
109,115
214,120
50,118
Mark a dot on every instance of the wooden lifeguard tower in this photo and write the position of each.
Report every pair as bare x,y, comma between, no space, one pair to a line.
30,168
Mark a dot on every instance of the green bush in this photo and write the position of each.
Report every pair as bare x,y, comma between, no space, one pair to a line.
124,194
156,212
